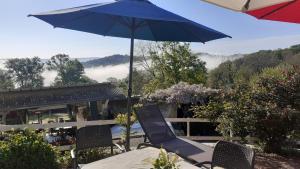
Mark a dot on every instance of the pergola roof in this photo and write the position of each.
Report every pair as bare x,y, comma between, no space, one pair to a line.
31,98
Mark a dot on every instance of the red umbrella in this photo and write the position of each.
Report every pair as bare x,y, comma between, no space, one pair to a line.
285,12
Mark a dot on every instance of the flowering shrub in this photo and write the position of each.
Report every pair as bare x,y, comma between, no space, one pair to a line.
183,93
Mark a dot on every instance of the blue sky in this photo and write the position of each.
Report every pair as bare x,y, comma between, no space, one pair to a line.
21,36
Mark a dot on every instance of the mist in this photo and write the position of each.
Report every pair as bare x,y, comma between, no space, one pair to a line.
101,74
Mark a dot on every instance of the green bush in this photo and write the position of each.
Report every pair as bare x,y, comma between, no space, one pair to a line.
65,160
91,155
27,150
232,110
276,96
268,108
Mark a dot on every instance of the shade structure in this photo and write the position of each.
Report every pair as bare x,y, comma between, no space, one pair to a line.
285,12
134,19
245,5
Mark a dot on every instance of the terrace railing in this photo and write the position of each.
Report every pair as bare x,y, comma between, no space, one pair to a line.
188,122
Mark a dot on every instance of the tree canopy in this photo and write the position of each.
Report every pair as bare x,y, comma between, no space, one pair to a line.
26,72
69,72
244,68
5,81
171,63
139,79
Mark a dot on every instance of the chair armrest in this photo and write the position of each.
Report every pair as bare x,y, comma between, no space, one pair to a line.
73,153
144,145
203,164
119,147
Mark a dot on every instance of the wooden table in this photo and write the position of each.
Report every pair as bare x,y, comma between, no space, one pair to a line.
136,159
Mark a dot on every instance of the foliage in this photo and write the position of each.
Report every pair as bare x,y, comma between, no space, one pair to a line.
91,155
232,108
165,161
5,80
69,72
26,72
65,160
139,80
27,150
268,108
121,119
183,93
244,68
223,76
276,96
171,63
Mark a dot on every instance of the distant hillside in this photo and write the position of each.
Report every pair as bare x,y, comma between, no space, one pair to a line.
212,60
251,64
107,61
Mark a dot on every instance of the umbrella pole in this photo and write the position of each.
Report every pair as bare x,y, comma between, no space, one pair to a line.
130,88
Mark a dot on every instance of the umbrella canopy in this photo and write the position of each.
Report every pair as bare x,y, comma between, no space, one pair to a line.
245,5
134,19
119,18
286,12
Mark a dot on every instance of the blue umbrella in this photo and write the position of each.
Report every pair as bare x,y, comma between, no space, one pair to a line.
134,19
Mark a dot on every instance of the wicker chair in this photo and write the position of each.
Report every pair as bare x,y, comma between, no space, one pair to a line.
92,137
231,156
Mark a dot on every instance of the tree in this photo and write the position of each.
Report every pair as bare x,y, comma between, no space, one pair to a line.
69,72
171,63
26,73
139,79
5,81
223,76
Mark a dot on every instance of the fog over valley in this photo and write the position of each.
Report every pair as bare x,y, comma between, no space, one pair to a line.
119,71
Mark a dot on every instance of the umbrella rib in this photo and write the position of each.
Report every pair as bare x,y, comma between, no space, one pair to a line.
281,7
141,24
108,29
150,28
192,33
246,6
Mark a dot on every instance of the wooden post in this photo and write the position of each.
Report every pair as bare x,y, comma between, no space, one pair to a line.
188,127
